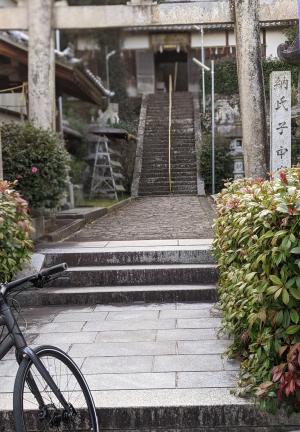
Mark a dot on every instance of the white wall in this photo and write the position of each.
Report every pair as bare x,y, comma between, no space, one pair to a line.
273,39
212,39
132,42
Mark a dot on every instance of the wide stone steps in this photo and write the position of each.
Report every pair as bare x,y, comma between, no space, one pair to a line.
128,274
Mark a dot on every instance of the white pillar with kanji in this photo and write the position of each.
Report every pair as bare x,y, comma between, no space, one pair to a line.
280,121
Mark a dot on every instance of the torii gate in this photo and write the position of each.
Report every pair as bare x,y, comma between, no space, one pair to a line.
41,17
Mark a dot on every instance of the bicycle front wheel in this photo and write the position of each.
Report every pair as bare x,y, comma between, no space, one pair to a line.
37,409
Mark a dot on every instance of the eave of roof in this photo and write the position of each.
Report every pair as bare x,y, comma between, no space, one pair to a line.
207,27
74,78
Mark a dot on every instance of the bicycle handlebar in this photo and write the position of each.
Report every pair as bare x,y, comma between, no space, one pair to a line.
36,278
53,270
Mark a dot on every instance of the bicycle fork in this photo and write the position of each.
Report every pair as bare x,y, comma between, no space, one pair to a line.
29,353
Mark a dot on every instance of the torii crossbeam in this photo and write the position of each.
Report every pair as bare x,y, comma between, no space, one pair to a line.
195,12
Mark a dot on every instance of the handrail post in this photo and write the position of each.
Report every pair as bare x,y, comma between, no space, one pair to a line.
170,129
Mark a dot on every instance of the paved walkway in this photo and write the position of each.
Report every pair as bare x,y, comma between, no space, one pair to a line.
142,351
169,217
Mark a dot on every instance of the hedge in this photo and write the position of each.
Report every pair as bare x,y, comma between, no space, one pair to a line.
15,226
37,159
257,246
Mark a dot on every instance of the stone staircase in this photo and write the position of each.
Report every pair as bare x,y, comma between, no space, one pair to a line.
126,275
154,178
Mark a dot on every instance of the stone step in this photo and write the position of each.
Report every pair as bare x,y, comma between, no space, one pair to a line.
165,274
164,143
188,162
118,294
176,176
185,159
163,146
165,192
83,256
165,132
178,168
149,171
179,184
184,150
164,157
182,184
161,180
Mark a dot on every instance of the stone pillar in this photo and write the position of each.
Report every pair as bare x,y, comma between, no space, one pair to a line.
41,64
253,105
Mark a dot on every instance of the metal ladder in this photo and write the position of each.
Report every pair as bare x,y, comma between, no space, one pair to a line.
103,181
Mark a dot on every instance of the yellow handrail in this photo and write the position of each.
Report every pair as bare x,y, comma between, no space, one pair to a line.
170,128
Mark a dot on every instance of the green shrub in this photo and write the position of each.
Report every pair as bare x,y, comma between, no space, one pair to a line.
15,226
37,159
223,164
257,245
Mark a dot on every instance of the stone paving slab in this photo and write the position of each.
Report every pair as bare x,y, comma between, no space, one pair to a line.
149,218
135,347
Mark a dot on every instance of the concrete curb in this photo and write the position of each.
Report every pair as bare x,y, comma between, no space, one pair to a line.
78,222
183,418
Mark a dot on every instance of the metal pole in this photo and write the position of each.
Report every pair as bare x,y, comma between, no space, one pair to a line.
213,127
203,71
170,130
107,67
107,71
60,101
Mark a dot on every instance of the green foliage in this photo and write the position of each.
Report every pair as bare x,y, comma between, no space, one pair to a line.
223,167
77,169
15,226
226,77
291,33
257,245
270,66
37,159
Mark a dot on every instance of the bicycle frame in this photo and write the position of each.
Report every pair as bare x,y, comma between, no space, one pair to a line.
16,339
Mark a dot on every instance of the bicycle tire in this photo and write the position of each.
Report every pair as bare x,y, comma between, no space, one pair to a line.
22,421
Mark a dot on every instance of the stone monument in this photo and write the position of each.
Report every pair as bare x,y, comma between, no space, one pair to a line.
280,121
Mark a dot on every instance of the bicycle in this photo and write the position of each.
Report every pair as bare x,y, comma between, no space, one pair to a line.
50,392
